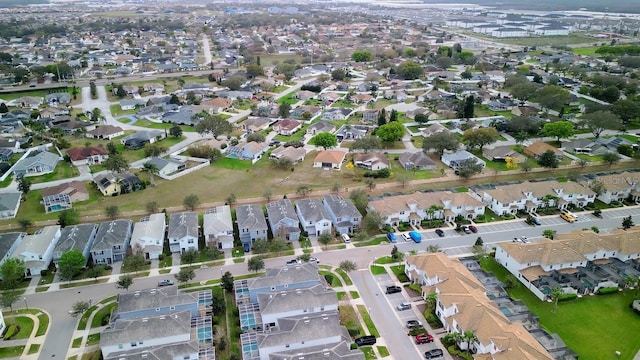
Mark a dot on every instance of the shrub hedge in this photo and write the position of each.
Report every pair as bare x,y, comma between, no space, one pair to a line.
608,290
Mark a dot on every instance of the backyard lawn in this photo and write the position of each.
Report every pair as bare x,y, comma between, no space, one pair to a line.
64,170
595,327
154,125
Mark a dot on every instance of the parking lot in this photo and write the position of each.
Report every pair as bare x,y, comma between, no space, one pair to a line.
393,300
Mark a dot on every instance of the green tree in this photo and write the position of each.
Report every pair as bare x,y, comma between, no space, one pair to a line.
96,271
124,282
154,150
410,70
256,137
231,199
116,162
549,159
559,129
469,167
12,270
627,223
523,91
601,120
304,257
367,143
120,91
255,264
175,131
325,239
465,109
227,282
444,62
552,97
152,207
24,185
3,108
151,169
260,246
111,148
191,201
382,117
338,74
480,137
234,82
303,190
254,70
284,109
189,256
79,308
212,124
348,266
68,217
325,139
390,132
112,212
549,234
133,263
9,297
610,158
626,109
393,116
70,264
440,142
185,275
396,255
361,56
25,223
556,294
360,199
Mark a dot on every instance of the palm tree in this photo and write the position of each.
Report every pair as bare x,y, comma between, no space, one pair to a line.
555,295
151,169
548,199
469,337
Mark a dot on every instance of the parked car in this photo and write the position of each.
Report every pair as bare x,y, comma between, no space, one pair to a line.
366,340
412,324
432,354
466,229
439,232
165,282
536,220
403,306
393,289
345,238
415,236
522,239
293,262
473,229
568,218
314,260
406,237
392,237
424,339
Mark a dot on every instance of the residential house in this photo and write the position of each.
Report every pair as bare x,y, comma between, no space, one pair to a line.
371,161
295,154
111,241
528,196
314,218
524,111
329,97
147,237
159,301
330,159
184,116
108,184
617,187
183,232
370,116
351,132
580,262
434,129
538,148
283,220
362,98
300,110
455,159
320,126
300,276
501,153
287,127
220,103
413,208
251,223
157,336
75,237
131,104
62,197
304,95
250,151
138,139
217,227
105,132
336,114
462,306
9,204
167,166
37,250
416,161
9,242
255,124
92,155
344,215
37,163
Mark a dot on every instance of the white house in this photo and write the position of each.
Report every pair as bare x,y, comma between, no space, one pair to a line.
217,227
618,187
148,236
37,250
183,232
167,166
314,218
455,159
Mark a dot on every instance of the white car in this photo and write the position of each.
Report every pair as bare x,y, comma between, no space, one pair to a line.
314,260
406,237
345,238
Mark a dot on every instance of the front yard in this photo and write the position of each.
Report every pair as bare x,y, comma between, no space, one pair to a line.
595,327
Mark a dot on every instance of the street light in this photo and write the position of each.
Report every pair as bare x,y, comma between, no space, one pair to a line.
25,303
220,272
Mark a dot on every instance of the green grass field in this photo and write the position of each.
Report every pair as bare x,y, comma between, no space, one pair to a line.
595,327
585,51
154,125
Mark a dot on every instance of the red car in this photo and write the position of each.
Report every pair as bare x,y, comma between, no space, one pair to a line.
473,229
424,339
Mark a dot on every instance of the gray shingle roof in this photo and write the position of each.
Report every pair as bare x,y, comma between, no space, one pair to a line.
312,210
7,240
282,301
112,233
341,207
295,330
183,224
152,299
74,237
285,275
251,217
124,331
280,210
8,201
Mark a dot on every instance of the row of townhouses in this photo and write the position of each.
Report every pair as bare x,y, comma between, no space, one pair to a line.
580,262
160,324
462,305
290,313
